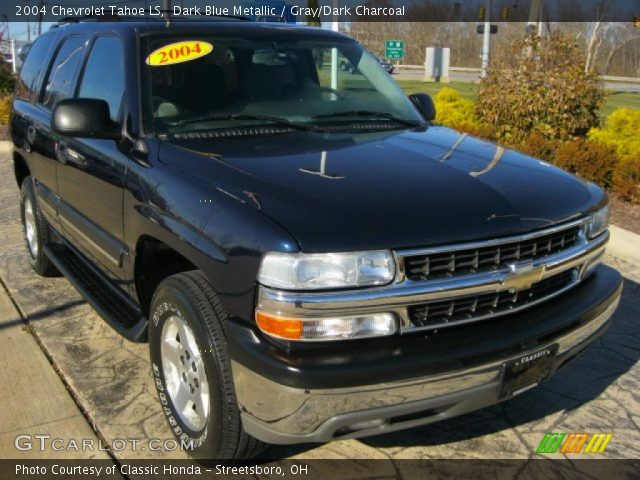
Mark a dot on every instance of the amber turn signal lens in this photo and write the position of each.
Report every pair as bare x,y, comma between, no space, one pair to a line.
289,328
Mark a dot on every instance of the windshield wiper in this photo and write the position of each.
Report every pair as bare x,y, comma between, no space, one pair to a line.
369,113
283,122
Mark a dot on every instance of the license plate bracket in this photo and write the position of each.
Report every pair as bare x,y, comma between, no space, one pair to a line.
527,371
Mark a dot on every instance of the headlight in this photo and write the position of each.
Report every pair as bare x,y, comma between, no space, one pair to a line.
342,327
317,271
598,222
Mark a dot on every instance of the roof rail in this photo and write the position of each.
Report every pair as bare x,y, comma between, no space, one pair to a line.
88,18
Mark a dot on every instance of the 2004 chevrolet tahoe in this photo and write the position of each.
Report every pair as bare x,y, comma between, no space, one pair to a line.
308,255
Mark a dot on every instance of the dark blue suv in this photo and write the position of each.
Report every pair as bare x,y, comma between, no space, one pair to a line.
309,256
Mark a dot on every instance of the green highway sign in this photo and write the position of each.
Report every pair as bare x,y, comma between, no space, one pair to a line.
394,49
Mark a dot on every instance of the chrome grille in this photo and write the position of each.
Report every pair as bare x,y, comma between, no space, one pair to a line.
464,309
439,264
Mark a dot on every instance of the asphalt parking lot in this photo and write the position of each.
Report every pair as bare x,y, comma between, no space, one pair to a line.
109,379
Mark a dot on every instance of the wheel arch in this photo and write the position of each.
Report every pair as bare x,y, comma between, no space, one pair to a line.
20,168
156,260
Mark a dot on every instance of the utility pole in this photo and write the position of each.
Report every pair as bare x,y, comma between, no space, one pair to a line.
26,3
6,23
311,20
166,9
486,39
40,10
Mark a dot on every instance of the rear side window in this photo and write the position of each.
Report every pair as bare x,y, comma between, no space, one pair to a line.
60,80
104,74
36,60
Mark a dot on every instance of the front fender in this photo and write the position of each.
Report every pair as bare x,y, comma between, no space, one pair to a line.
220,234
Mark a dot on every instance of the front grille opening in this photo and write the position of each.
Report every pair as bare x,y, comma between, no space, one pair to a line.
486,259
467,308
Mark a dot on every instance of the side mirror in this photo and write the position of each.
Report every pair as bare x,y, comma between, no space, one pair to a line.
425,105
85,118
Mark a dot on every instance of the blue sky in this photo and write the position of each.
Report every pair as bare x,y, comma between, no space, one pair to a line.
18,30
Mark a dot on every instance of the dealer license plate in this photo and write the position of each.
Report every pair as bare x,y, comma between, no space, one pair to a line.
527,371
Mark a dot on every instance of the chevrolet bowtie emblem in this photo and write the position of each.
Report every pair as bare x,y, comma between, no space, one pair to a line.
522,276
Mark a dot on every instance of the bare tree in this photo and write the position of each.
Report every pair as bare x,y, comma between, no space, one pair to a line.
622,35
596,34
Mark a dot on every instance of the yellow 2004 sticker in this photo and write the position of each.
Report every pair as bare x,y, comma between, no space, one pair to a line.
179,52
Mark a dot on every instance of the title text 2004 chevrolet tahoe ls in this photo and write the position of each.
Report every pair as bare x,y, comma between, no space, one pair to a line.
308,255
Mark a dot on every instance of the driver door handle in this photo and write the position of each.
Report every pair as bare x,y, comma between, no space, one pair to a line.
76,157
69,155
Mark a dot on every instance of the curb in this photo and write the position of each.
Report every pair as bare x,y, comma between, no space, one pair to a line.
624,244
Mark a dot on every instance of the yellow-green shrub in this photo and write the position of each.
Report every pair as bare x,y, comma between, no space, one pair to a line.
609,156
621,131
455,111
5,110
7,80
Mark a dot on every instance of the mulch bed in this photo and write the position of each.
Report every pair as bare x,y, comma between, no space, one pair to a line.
4,133
624,214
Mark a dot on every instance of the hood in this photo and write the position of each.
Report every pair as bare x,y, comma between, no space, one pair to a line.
399,189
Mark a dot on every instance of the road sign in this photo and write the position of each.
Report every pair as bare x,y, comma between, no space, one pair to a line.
394,49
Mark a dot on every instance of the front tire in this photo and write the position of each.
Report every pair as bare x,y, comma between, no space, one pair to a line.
192,369
36,231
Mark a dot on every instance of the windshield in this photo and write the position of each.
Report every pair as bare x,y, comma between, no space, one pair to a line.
207,83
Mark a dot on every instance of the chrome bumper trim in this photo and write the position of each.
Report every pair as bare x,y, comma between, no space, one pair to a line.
281,414
397,296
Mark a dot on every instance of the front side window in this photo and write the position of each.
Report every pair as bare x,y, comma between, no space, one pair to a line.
217,83
103,76
60,79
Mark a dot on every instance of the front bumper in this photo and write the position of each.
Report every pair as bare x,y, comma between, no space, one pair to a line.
372,387
396,298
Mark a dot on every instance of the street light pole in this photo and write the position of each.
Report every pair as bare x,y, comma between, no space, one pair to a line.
334,51
486,39
535,18
14,65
